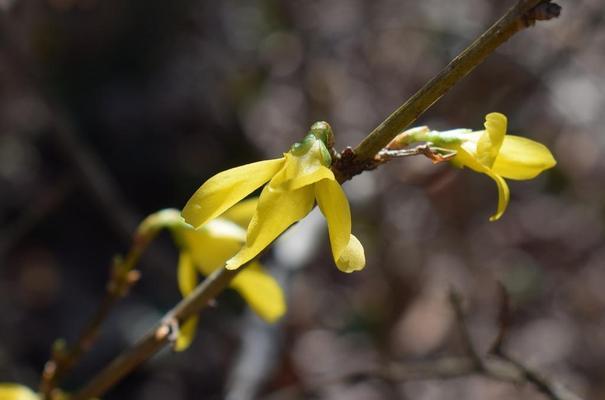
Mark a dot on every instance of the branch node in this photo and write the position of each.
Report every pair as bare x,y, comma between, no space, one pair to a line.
542,12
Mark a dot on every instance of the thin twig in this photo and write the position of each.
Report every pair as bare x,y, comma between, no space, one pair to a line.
500,367
159,336
520,16
495,368
123,276
552,389
456,302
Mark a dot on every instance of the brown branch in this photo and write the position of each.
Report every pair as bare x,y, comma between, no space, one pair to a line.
159,336
522,15
123,276
494,366
456,302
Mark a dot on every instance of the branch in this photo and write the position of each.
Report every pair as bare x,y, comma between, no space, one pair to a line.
159,336
522,15
497,366
123,276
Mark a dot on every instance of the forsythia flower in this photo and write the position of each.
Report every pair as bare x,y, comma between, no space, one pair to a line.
492,152
14,391
206,249
296,180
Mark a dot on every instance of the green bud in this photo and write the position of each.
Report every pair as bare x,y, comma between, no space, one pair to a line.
300,148
323,131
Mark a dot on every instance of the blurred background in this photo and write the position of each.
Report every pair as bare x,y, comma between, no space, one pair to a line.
111,110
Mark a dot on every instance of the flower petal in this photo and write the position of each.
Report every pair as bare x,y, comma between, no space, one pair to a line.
186,274
186,334
242,212
226,188
490,141
14,391
261,291
187,279
212,244
503,195
521,158
353,257
346,249
503,192
466,157
277,210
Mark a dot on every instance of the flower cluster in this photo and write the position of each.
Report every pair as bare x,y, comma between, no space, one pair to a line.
491,152
295,181
203,250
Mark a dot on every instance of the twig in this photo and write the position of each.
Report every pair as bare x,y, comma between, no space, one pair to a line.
159,336
522,15
456,302
552,389
123,276
495,368
500,367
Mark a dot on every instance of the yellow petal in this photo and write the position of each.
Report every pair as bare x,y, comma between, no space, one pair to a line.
490,141
226,188
13,391
186,274
503,191
261,291
277,210
186,334
242,212
503,195
212,244
466,157
353,257
346,249
187,279
522,158
166,218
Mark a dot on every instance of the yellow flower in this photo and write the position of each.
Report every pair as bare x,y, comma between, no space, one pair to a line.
296,181
494,153
206,249
14,391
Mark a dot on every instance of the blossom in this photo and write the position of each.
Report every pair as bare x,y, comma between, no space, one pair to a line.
298,179
14,391
492,152
206,249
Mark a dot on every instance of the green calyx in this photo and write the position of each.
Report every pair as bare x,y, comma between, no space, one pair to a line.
326,158
445,138
320,133
301,148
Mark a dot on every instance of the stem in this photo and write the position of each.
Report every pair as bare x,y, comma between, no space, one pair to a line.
159,336
123,276
521,15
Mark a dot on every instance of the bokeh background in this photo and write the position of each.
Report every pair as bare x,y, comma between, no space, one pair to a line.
110,110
